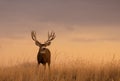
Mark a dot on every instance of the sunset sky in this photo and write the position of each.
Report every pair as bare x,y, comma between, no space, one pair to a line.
88,29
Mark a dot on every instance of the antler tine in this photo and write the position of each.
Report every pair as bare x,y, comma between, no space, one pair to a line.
48,35
33,35
54,34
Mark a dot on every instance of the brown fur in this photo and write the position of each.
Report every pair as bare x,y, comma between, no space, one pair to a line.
44,55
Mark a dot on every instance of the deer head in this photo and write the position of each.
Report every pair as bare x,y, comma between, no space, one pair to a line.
51,36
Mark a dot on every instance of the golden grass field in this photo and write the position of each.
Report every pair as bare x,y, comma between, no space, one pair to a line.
78,71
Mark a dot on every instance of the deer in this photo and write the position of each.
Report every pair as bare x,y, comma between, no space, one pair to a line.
44,54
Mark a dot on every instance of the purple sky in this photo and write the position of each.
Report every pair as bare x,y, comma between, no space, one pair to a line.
86,16
89,28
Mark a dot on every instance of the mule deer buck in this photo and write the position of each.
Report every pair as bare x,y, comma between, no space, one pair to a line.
44,54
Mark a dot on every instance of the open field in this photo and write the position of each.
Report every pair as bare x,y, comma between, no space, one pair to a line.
82,72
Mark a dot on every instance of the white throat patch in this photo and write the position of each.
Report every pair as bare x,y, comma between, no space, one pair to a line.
43,51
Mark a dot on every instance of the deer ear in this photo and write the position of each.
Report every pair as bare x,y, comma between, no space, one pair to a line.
37,43
47,44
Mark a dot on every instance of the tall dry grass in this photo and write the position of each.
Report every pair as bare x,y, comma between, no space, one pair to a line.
74,72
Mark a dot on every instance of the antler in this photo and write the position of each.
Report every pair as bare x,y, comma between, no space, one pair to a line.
33,35
51,36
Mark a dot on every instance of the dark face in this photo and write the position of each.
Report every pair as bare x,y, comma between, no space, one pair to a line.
42,46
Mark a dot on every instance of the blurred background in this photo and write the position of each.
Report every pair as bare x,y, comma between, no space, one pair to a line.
85,29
